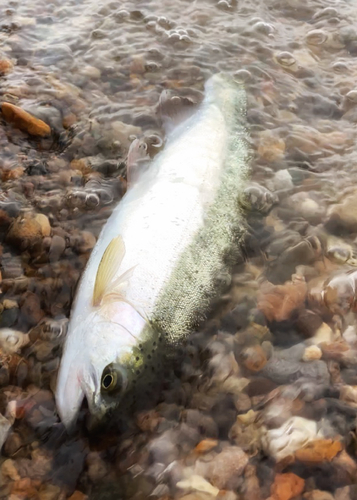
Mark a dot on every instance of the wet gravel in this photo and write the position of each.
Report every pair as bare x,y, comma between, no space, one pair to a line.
262,402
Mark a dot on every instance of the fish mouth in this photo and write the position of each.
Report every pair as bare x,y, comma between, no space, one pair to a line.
69,399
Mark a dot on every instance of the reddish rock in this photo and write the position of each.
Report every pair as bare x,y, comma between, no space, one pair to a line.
287,486
278,302
24,121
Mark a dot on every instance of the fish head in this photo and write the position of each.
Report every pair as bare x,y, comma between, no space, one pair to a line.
93,366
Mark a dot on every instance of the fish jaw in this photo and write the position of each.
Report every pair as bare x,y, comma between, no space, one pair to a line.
69,398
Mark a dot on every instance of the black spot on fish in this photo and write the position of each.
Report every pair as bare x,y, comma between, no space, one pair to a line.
137,358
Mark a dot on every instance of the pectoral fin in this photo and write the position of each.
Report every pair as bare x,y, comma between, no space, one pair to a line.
108,267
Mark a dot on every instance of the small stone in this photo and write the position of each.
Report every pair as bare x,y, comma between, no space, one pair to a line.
10,304
24,121
83,165
97,468
278,302
86,242
311,353
348,393
197,495
69,120
44,224
148,421
245,433
343,215
318,495
287,486
57,247
12,341
8,470
197,483
254,358
226,467
323,334
5,66
251,488
271,148
206,445
292,435
318,451
26,231
308,323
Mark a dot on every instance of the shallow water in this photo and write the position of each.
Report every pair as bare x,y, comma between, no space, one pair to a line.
95,74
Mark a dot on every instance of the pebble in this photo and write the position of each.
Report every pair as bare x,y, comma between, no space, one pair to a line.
271,148
246,435
287,486
278,302
23,120
323,334
318,451
291,436
12,341
311,353
254,358
28,230
343,215
226,468
6,66
318,495
57,247
198,483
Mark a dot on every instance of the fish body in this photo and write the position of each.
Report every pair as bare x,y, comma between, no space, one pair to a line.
157,261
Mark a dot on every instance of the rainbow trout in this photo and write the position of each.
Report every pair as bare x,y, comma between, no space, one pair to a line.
156,265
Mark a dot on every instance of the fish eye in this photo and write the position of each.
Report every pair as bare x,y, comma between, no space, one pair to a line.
112,380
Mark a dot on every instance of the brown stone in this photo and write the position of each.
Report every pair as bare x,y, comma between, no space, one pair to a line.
277,302
5,66
254,358
319,451
287,486
206,445
23,120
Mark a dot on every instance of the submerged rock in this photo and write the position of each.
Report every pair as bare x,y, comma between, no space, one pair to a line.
287,486
277,302
319,451
291,436
23,120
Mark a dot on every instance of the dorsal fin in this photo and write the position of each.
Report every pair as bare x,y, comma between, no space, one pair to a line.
107,269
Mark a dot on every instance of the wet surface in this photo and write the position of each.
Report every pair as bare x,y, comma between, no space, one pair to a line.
263,401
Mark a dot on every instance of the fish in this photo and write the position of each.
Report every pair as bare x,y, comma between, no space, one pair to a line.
158,262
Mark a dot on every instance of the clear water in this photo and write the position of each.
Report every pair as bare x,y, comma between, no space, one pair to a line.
95,73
